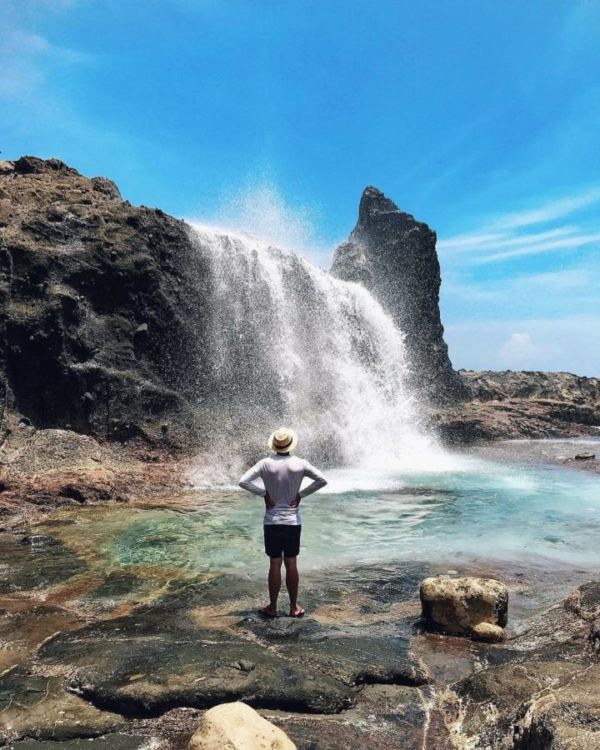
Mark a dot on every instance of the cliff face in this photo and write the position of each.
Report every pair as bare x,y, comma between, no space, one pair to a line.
394,256
96,298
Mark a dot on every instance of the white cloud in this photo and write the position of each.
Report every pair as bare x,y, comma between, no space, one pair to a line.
512,233
520,351
549,212
567,343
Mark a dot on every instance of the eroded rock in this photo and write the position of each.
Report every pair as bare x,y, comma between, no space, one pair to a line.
476,607
39,707
394,257
144,665
236,726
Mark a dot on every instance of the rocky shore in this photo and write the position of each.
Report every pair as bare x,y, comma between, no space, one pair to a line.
509,405
111,663
101,404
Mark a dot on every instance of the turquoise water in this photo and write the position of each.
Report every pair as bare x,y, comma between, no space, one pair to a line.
483,510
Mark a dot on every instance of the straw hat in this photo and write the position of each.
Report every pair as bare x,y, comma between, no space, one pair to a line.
283,440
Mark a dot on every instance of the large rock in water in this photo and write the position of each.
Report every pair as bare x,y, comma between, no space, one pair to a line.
236,726
96,298
477,607
394,256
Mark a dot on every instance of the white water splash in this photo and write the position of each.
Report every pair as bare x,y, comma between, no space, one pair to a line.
290,344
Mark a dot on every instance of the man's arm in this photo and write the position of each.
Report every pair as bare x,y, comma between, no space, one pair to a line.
320,481
247,481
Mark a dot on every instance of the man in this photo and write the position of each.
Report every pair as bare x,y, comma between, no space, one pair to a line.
282,475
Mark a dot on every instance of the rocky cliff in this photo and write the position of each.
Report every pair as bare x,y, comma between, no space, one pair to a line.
104,311
97,297
394,256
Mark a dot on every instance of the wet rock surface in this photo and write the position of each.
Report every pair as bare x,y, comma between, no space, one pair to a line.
358,671
35,562
38,706
542,691
107,741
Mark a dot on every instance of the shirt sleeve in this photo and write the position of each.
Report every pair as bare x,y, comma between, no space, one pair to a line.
320,481
247,481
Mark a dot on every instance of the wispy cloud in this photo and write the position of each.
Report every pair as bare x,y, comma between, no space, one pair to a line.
549,212
514,235
525,247
27,60
469,242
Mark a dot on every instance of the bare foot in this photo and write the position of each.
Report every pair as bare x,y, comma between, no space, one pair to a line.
296,611
268,611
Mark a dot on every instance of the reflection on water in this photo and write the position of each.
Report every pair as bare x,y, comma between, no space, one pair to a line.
487,511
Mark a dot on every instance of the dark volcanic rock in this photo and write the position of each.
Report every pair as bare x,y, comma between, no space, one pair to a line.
486,385
144,666
31,565
97,297
104,742
39,707
394,256
506,405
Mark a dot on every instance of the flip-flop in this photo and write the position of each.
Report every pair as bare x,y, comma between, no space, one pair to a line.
266,614
299,614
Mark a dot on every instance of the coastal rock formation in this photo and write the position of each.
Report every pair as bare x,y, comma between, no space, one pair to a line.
236,726
103,657
105,328
507,405
96,298
476,607
555,386
394,257
542,690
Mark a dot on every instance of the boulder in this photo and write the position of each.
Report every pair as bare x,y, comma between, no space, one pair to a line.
475,607
236,726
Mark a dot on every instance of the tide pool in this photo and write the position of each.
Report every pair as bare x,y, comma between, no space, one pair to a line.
483,510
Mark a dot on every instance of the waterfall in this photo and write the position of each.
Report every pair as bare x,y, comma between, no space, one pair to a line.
289,344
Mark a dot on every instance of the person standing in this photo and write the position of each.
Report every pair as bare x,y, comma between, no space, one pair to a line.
282,474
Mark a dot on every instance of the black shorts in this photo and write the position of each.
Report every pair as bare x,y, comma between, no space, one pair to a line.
282,539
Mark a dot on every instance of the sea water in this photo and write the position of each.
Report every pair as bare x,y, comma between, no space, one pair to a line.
481,512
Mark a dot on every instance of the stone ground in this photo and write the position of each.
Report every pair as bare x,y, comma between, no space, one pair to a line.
358,672
120,660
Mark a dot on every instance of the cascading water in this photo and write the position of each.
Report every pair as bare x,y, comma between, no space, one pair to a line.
290,344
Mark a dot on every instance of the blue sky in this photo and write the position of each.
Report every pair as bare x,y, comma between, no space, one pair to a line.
481,118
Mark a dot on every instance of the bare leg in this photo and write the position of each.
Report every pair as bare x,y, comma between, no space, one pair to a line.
291,581
274,586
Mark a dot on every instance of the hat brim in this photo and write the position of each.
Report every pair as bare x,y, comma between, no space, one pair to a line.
287,449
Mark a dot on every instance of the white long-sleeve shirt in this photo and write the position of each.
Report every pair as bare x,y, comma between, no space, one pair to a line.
282,477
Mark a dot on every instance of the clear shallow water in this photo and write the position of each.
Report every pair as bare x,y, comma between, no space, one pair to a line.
540,515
